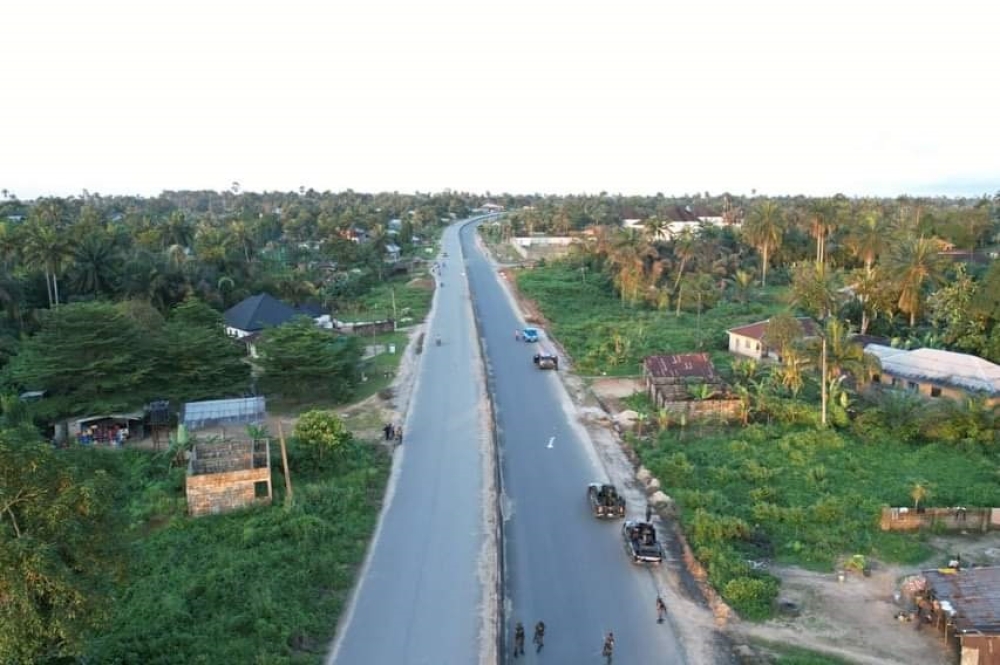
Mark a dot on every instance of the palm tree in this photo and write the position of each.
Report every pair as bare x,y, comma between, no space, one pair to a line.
742,283
869,238
765,230
684,250
916,263
95,265
46,248
656,229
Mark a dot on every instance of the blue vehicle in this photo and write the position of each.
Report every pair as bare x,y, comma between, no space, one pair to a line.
530,334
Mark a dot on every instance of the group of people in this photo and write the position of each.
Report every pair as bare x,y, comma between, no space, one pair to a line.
539,639
393,432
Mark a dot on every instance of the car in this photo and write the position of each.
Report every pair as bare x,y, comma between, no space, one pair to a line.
530,334
641,543
605,501
546,361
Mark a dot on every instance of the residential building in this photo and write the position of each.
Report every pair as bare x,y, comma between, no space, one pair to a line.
749,341
688,383
937,373
251,316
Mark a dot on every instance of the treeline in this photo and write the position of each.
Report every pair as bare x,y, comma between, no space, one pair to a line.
918,270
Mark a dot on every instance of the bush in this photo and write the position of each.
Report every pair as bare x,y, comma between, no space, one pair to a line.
752,597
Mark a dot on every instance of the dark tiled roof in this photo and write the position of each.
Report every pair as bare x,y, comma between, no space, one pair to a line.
682,366
974,597
259,312
756,330
312,309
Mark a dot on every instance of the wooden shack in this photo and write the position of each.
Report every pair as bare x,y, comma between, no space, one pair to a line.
965,606
228,476
674,382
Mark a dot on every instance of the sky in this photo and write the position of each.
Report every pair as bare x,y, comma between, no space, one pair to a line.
863,98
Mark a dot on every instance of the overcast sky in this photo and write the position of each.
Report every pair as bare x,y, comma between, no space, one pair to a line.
872,97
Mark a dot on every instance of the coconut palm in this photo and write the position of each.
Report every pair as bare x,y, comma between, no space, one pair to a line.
869,238
46,248
916,264
765,230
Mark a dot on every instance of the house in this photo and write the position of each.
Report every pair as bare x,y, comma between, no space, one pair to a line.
748,340
937,373
965,605
393,252
251,316
675,381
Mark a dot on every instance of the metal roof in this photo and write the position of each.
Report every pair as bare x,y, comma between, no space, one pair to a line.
948,368
973,596
759,329
682,365
237,410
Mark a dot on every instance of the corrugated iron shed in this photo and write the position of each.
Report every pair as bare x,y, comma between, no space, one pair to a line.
973,596
683,366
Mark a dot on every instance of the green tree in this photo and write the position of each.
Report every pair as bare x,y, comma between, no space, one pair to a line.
57,550
199,360
321,434
300,360
88,357
765,229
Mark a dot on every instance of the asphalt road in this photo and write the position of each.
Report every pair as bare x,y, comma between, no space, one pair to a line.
562,565
419,595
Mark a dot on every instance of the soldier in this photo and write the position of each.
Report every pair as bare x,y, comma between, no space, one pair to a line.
609,646
539,636
519,640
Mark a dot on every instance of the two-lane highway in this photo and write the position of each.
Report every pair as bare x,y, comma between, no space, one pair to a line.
419,598
562,565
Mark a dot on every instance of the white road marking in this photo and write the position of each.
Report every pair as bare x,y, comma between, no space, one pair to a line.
551,441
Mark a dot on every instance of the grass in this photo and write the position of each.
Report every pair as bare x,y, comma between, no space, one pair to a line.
381,370
785,654
801,496
265,585
605,336
412,295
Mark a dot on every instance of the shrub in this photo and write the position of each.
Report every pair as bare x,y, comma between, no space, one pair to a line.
752,597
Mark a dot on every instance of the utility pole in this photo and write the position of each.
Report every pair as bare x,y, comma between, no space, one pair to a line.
392,291
284,467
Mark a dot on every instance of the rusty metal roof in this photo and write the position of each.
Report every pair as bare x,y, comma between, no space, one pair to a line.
757,330
682,366
970,597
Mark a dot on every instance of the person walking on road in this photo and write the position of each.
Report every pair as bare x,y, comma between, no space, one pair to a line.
519,640
517,334
609,647
661,610
649,513
539,636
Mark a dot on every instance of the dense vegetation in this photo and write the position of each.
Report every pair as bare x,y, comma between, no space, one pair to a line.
265,585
